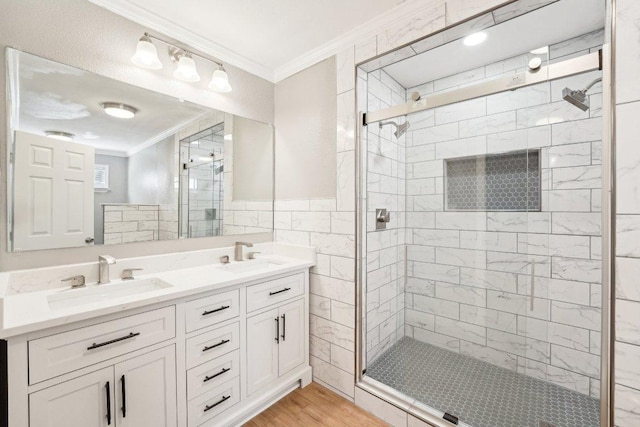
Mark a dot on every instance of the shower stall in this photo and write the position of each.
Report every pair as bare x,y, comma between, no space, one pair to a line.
482,168
202,183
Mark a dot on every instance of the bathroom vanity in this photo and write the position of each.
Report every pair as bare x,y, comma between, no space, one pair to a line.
190,342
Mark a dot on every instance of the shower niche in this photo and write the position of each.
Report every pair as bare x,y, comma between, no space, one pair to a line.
482,299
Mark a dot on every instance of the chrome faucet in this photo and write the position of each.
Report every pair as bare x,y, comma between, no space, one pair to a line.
239,248
103,268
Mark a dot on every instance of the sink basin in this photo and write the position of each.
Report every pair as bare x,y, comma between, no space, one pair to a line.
98,293
251,265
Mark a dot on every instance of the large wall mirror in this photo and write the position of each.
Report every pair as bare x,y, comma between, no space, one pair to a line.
97,161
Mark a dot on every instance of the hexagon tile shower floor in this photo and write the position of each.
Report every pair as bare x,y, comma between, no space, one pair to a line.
478,393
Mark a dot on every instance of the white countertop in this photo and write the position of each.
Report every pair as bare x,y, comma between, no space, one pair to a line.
30,311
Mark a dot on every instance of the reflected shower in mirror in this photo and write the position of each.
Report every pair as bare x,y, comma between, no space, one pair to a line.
98,161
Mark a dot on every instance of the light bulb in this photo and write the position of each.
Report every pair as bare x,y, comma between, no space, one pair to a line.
475,39
220,81
186,69
146,55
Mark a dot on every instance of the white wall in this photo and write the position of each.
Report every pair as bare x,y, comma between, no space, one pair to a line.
80,34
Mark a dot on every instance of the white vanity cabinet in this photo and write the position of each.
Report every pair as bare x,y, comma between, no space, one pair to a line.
216,358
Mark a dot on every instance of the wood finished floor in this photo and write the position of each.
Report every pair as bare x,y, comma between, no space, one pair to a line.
314,405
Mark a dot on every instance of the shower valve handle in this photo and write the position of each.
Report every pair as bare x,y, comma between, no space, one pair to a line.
383,215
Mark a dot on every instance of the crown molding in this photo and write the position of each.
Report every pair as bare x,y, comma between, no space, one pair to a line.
399,14
171,29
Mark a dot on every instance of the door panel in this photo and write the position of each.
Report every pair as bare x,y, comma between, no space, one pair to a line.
146,390
81,402
291,348
53,194
262,350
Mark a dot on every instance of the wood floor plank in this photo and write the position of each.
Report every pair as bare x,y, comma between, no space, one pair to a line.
314,406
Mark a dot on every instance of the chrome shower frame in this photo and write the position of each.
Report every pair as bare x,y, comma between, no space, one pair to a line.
606,62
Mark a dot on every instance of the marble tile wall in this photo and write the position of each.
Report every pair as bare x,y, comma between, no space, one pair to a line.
127,223
627,332
333,280
385,189
468,285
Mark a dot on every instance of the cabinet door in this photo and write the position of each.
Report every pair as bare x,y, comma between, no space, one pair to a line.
262,349
87,401
146,390
291,348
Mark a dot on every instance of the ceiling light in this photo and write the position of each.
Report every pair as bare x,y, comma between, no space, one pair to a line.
475,39
540,51
146,55
228,137
220,81
186,69
57,134
121,111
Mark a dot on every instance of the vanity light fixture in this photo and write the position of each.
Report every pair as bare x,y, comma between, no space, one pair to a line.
475,39
220,81
146,56
58,134
186,69
121,111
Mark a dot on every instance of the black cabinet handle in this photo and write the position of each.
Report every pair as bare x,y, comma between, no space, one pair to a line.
224,307
102,344
108,389
284,327
209,378
216,345
280,291
124,397
224,399
277,319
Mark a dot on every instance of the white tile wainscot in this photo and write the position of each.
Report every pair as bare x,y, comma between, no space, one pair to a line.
208,344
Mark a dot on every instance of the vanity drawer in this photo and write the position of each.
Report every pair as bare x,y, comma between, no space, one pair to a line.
208,311
208,376
67,351
274,291
208,346
205,407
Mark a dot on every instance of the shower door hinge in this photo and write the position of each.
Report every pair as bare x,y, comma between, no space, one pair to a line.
364,119
451,418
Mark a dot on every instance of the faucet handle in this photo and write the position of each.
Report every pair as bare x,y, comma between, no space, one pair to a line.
76,281
106,258
252,255
127,273
224,259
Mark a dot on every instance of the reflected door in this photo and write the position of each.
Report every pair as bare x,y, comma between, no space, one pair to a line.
53,192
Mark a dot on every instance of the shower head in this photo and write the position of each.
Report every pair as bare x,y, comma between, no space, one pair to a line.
579,97
576,97
400,129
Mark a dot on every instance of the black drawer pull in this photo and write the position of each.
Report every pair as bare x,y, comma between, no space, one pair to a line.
108,390
280,291
216,345
102,344
224,307
224,399
216,375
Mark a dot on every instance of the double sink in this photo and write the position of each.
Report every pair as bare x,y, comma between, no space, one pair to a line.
96,293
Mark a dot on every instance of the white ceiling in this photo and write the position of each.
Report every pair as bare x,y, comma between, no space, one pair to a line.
260,36
552,24
54,96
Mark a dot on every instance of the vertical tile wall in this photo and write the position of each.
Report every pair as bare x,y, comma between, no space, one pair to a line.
627,333
385,188
469,272
329,224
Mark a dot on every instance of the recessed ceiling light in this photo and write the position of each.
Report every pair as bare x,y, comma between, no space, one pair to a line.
121,111
475,39
540,51
57,134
